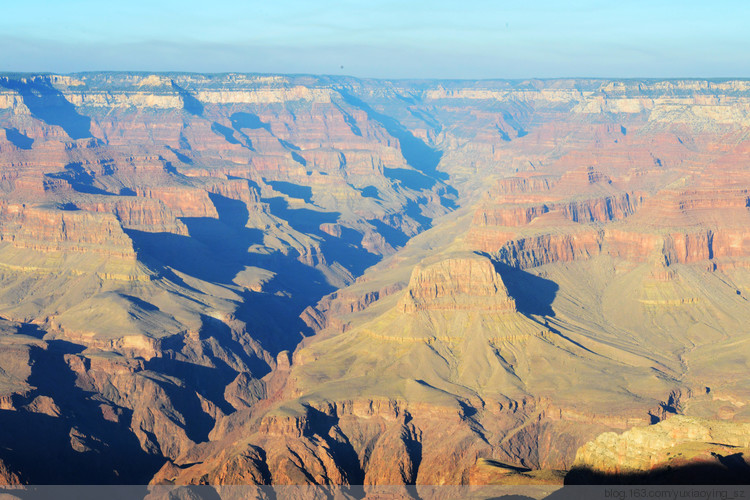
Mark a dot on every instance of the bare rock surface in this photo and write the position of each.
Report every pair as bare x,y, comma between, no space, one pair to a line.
702,447
257,279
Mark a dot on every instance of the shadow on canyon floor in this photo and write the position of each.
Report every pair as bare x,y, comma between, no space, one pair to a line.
189,103
533,294
18,139
291,190
79,179
49,105
416,153
80,445
730,469
345,248
215,251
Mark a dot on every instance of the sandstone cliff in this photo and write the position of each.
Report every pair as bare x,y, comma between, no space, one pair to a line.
678,450
295,279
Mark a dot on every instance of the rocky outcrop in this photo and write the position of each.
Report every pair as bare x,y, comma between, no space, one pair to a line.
140,214
187,260
701,448
352,442
455,283
46,229
549,248
328,312
8,477
602,209
184,202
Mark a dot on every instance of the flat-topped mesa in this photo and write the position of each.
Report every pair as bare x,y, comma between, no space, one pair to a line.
462,282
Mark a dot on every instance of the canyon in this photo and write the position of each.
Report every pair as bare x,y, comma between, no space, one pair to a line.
267,279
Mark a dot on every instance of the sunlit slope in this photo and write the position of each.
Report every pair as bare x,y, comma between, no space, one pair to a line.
578,320
621,300
680,450
478,346
300,279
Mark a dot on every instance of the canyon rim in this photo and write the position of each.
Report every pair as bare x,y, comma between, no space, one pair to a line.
285,280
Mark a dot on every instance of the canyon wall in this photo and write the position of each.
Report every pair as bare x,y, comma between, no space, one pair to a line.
307,280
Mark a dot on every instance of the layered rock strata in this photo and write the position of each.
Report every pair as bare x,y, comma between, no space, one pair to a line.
184,273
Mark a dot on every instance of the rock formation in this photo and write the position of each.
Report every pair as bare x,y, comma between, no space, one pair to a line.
461,282
303,280
678,450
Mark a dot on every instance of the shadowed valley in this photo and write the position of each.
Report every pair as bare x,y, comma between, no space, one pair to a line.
244,279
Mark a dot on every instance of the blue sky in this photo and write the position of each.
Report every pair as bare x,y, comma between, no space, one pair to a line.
382,38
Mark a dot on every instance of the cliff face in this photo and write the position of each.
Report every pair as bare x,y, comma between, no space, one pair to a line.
456,283
53,230
184,272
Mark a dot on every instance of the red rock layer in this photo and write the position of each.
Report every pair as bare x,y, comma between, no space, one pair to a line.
184,202
469,282
72,231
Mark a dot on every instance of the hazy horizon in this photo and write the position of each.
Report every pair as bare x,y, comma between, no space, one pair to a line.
398,244
477,39
718,78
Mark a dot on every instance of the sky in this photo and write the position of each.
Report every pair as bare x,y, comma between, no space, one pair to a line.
463,39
